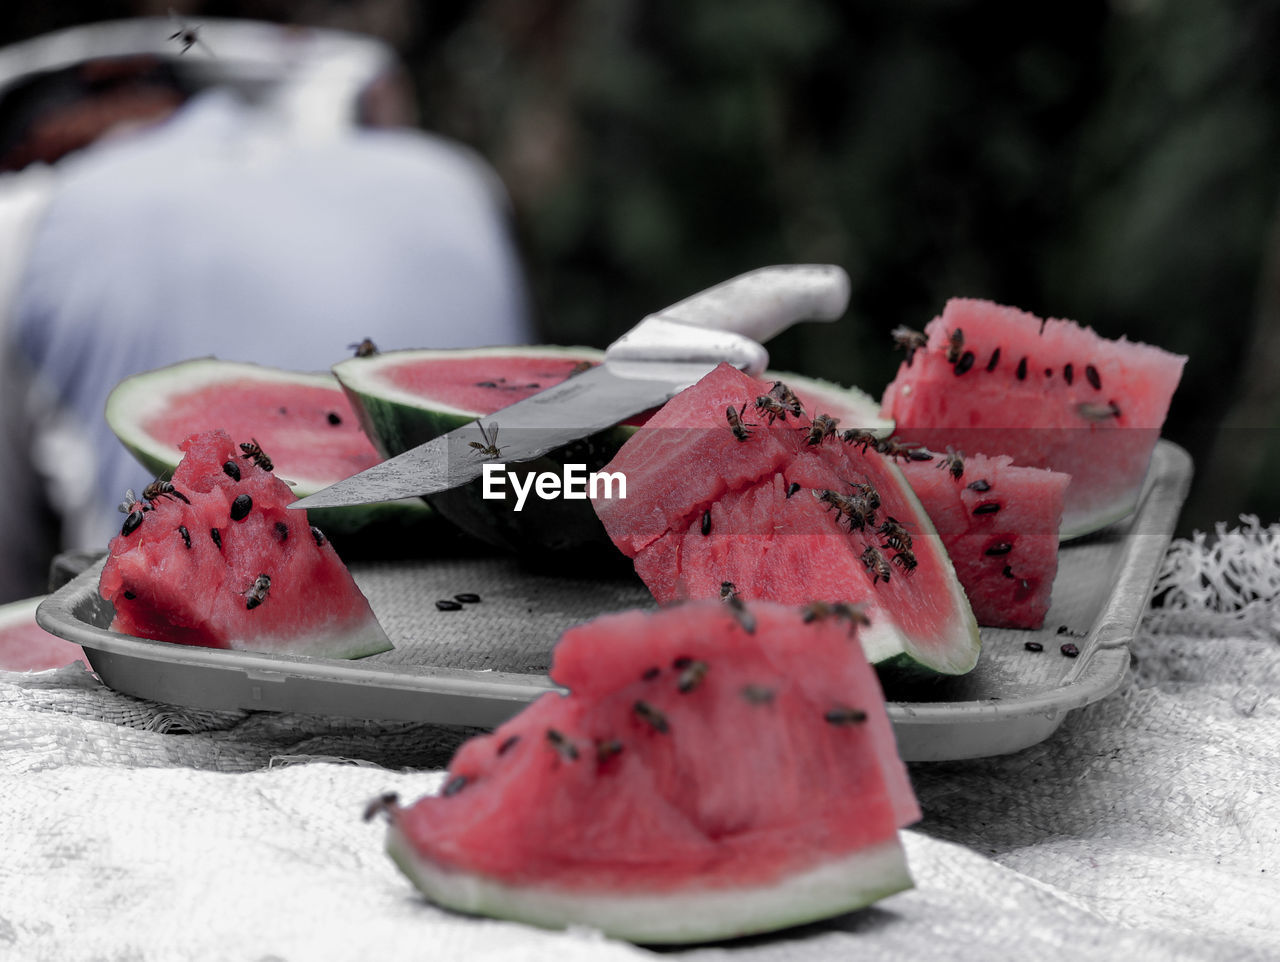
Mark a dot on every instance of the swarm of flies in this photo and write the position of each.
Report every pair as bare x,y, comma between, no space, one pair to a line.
736,424
820,428
489,449
909,340
779,402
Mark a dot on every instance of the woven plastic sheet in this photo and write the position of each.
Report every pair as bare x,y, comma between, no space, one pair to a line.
1144,828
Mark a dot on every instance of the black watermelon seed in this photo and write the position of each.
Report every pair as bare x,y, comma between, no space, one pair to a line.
241,507
683,661
982,484
507,744
1091,374
1007,572
987,507
282,531
998,549
1068,372
448,604
283,410
651,673
232,470
965,362
1048,372
334,418
467,598
485,384
130,595
995,359
131,523
318,535
792,488
185,535
1069,650
845,716
454,785
706,521
1022,370
1033,646
216,535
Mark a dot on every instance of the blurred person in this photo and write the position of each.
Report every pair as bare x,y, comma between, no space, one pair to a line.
144,224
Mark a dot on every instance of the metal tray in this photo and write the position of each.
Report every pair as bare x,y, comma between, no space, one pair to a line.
480,665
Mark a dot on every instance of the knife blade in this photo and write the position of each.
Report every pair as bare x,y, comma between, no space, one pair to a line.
664,354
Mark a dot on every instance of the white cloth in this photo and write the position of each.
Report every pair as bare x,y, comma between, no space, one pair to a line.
1145,829
222,233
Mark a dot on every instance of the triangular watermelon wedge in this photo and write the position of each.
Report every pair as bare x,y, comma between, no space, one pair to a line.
705,508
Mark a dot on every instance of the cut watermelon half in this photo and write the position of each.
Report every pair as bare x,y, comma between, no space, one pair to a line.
25,646
406,398
762,513
219,561
714,771
303,420
1049,393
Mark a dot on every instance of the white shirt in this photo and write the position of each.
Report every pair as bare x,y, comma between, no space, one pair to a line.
222,233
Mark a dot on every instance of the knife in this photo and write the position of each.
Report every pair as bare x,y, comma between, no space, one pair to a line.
657,359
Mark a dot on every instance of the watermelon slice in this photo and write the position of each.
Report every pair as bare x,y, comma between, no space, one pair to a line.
405,398
714,771
1051,394
25,646
999,523
303,420
764,513
217,560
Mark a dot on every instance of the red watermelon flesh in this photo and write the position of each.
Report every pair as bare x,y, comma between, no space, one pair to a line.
999,522
304,421
704,508
1049,393
189,571
25,646
705,767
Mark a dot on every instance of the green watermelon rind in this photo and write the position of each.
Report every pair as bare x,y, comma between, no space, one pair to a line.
684,914
139,396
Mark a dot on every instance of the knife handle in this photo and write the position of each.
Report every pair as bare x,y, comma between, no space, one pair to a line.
762,303
729,321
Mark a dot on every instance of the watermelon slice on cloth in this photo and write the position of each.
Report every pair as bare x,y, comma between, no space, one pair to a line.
763,514
218,560
999,522
25,646
992,379
714,770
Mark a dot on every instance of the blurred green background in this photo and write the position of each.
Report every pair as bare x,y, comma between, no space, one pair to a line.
1115,163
